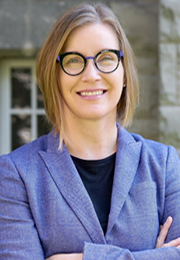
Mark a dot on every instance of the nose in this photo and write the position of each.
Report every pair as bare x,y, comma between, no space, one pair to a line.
90,73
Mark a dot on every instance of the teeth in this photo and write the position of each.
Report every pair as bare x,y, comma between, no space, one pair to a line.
91,93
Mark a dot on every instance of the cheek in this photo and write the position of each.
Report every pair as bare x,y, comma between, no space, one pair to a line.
119,79
64,82
67,86
119,94
119,73
119,82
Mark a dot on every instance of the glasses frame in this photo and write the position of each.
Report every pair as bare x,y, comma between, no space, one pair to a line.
60,58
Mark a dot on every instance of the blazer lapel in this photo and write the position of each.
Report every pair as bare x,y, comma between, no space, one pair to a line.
127,161
69,183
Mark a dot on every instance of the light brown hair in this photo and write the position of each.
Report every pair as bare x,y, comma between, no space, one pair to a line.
47,67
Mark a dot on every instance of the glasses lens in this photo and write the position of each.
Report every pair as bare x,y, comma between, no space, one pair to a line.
73,64
107,61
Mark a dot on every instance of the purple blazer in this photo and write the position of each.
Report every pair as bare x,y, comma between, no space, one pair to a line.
45,208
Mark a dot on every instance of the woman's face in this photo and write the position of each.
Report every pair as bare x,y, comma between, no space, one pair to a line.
92,95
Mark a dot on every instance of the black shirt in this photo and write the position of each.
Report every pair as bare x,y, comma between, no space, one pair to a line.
97,176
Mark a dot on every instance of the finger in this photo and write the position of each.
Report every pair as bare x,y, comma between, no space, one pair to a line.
78,256
165,228
163,232
173,243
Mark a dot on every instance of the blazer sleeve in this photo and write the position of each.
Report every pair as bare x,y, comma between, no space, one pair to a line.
18,235
171,208
101,252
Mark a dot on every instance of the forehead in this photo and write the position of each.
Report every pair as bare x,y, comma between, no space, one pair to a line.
92,37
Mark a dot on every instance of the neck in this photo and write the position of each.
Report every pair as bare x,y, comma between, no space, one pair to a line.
91,139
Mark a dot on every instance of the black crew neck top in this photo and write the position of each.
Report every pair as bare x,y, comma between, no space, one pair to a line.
97,176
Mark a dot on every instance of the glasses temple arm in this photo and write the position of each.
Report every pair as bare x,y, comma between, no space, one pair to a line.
58,58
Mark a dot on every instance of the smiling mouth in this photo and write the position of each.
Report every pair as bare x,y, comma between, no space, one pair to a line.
92,93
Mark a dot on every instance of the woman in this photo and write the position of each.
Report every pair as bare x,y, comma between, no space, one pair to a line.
89,189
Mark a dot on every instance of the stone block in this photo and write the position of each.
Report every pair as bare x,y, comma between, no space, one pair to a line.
169,20
169,125
25,24
147,127
169,64
149,95
149,82
140,22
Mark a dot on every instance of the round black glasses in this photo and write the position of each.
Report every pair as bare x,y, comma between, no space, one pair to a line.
74,63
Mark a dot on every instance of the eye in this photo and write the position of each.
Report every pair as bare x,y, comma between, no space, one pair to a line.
105,57
72,59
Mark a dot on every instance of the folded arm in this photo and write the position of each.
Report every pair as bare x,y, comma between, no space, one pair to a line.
160,243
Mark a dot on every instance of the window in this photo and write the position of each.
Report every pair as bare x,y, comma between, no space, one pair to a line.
22,115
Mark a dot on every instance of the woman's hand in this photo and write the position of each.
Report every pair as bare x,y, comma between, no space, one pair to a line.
66,257
160,242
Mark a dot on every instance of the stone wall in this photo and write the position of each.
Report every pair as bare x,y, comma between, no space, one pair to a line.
140,21
153,29
24,24
169,69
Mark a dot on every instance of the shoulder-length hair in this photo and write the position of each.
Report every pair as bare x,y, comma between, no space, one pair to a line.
47,67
